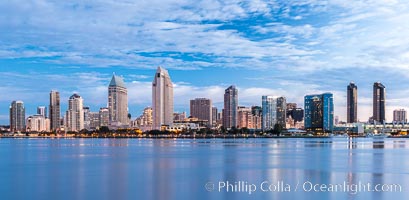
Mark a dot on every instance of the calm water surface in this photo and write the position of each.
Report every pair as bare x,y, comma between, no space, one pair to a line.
188,169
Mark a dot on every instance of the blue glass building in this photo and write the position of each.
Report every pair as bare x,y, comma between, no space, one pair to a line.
269,110
319,113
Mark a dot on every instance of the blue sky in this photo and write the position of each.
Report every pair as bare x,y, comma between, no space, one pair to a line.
282,48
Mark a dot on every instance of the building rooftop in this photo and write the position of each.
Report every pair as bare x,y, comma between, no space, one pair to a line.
117,81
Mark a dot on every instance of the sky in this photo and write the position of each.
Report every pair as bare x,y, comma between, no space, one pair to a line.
281,48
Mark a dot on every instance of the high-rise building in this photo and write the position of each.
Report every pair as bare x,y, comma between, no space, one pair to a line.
55,112
257,113
145,121
379,102
214,116
319,112
269,108
87,118
103,117
179,116
201,108
42,110
37,123
399,116
244,117
231,102
75,114
281,111
352,103
117,102
93,118
17,116
162,99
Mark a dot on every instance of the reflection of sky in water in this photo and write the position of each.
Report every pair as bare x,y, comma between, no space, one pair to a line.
178,169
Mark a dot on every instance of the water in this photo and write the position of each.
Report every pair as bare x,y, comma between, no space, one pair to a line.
187,169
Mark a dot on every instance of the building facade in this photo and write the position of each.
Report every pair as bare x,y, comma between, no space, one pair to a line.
281,111
162,99
37,123
269,108
144,121
319,113
75,114
214,116
103,117
117,102
201,108
399,116
231,102
55,112
352,103
17,116
378,103
42,110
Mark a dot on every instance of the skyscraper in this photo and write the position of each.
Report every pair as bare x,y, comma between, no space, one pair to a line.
103,117
201,108
319,112
75,114
17,116
399,116
117,102
269,116
162,99
231,101
281,111
378,102
214,116
352,103
55,110
245,118
42,110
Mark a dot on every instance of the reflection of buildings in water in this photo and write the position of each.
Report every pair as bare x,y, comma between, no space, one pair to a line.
399,144
377,167
318,164
352,144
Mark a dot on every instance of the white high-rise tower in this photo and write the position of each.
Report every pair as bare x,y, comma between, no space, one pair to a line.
75,114
162,99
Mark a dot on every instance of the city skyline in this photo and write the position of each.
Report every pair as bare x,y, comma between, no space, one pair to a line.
285,49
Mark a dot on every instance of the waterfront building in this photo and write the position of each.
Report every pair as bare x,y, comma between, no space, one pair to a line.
144,121
230,107
352,103
75,114
399,116
42,110
201,108
281,111
244,117
87,119
37,123
55,112
103,117
269,112
162,99
179,116
118,102
214,116
378,103
93,118
257,113
17,116
319,113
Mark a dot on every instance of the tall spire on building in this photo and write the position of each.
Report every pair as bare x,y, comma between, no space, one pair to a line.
117,102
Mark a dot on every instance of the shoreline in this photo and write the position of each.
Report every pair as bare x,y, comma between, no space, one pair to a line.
189,137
